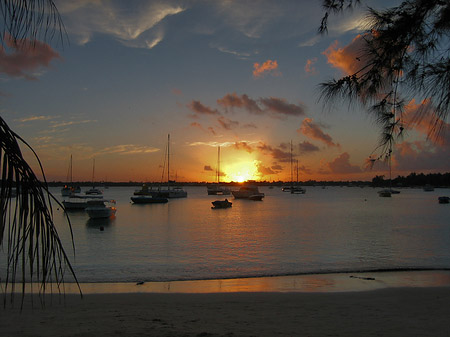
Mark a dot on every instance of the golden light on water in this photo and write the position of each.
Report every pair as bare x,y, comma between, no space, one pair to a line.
241,171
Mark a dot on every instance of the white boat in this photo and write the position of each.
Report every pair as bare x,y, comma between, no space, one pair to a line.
69,189
221,204
245,192
93,190
77,202
216,189
97,209
428,188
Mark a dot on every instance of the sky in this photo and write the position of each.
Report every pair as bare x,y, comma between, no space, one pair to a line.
243,75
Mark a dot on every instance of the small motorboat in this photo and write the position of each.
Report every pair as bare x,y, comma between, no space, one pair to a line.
98,209
221,204
148,199
385,193
256,197
444,200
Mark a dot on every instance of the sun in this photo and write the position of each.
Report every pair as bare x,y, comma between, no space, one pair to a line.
241,171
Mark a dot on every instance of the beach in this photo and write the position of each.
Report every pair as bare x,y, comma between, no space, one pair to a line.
387,311
384,312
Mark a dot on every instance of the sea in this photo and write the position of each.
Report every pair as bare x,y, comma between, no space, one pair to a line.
325,230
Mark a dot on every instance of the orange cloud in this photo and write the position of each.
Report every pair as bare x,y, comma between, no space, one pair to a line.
243,146
27,57
341,165
309,67
422,117
349,59
312,130
268,66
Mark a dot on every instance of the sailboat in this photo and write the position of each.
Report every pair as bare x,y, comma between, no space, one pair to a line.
69,189
387,193
294,189
216,189
93,190
170,191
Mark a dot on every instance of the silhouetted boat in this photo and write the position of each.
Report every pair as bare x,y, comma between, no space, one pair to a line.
148,199
385,193
216,189
69,189
444,200
221,204
245,192
170,191
93,190
428,188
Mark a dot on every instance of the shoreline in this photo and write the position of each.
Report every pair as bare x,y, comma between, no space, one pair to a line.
358,304
309,283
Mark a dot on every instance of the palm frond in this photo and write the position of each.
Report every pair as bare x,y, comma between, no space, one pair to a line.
35,253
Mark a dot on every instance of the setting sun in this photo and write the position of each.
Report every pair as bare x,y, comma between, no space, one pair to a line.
242,171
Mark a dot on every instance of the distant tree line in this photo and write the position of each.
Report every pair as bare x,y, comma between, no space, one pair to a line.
414,179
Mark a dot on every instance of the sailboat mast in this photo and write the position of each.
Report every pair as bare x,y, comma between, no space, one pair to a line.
218,165
297,171
70,169
290,158
93,173
168,160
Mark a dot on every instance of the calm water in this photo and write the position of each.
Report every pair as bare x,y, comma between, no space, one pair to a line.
325,230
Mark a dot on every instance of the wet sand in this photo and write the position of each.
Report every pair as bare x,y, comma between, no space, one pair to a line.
420,310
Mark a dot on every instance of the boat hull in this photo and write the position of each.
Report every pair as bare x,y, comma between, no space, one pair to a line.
148,200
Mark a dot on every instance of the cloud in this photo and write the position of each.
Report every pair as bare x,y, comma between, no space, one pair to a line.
126,149
341,165
238,54
309,67
198,107
243,146
422,156
268,66
26,58
137,25
207,168
311,42
276,153
177,92
211,130
227,124
263,170
280,106
307,147
63,124
349,59
35,118
243,101
312,130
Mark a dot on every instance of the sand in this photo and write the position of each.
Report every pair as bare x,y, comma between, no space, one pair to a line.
408,311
